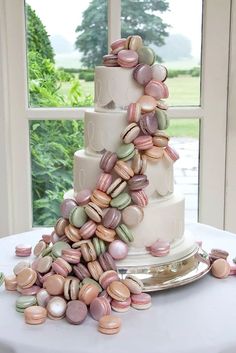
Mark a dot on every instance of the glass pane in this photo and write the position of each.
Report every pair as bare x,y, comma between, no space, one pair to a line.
65,40
173,29
184,135
53,144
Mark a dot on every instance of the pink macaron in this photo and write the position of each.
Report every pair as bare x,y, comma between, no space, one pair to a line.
61,267
71,255
104,182
83,197
155,89
118,249
88,229
220,268
121,307
159,248
141,301
139,198
133,112
108,277
118,45
171,154
23,250
127,58
143,142
110,60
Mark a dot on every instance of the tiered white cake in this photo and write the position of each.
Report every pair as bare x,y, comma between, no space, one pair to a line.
115,89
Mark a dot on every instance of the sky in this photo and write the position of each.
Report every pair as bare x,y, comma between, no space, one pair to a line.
62,16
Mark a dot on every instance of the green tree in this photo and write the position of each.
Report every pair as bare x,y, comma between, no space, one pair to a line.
137,17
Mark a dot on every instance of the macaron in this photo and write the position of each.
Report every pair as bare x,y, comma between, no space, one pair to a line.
142,74
139,198
83,197
81,271
33,290
108,277
100,198
99,307
123,170
143,142
116,187
220,268
148,124
139,163
23,250
104,182
54,284
121,201
141,301
118,291
71,288
11,282
95,269
171,154
147,103
162,119
112,218
126,151
88,292
118,45
56,308
78,216
99,245
146,55
61,267
133,112
76,312
121,307
108,161
24,301
160,139
71,255
44,264
87,250
130,133
161,105
218,254
35,315
26,278
58,247
47,238
43,297
106,234
160,248
127,58
134,284
155,89
118,249
107,262
132,215
39,248
60,226
90,280
94,212
124,233
20,266
109,325
138,182
72,233
159,72
154,154
134,42
110,60
66,206
88,229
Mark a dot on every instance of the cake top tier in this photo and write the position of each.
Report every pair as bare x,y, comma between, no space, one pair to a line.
129,73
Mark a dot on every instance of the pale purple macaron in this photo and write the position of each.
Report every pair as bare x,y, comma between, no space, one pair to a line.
110,60
66,206
118,249
107,262
83,197
112,218
81,271
148,123
142,74
108,161
139,198
100,307
76,312
138,182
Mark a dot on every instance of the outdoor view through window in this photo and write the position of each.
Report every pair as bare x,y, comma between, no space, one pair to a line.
65,41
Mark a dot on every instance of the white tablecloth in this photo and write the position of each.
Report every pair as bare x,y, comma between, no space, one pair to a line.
197,318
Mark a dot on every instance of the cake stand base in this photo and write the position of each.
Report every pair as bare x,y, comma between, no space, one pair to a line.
172,274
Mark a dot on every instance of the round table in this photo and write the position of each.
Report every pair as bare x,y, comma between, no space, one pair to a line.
198,317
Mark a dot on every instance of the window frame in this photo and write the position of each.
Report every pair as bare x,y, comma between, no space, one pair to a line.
16,208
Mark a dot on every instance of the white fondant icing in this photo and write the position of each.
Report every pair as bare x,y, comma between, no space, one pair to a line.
115,88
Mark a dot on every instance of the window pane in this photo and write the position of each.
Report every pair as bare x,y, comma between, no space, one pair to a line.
65,40
184,135
173,29
53,144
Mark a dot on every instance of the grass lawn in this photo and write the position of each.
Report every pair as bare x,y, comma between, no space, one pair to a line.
184,90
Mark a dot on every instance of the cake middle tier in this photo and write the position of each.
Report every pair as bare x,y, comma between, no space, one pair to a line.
87,171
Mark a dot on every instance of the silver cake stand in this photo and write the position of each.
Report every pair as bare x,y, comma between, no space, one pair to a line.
170,275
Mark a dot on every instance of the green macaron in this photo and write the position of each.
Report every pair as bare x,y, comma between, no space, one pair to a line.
99,245
124,233
121,201
91,281
126,151
162,119
58,247
24,302
1,278
78,216
146,55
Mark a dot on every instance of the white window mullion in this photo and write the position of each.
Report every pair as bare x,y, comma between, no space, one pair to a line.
114,22
215,49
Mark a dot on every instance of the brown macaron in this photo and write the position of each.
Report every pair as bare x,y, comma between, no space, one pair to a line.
109,325
118,291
